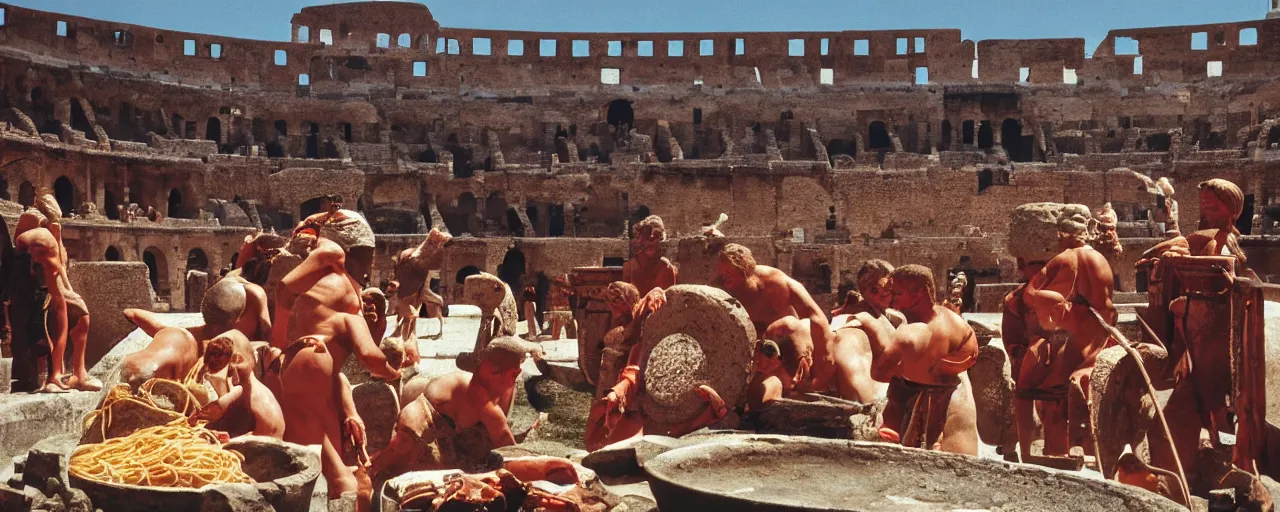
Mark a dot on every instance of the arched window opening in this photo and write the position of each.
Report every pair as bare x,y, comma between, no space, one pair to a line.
511,271
175,205
111,204
1020,148
197,260
878,136
621,116
213,130
65,193
986,136
26,194
469,270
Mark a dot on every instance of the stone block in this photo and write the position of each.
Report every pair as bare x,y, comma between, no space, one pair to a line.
989,298
13,500
108,288
48,460
291,187
26,419
633,503
6,375
345,503
233,498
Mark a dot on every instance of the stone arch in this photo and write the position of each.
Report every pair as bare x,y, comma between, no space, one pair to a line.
1018,147
555,220
469,270
621,113
459,218
213,130
986,136
112,254
1159,142
65,193
4,188
135,194
312,131
176,205
310,207
841,147
512,269
878,136
461,157
197,260
26,194
157,270
110,204
80,121
495,209
514,225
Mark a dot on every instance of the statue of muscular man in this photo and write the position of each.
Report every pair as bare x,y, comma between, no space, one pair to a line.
648,268
1062,296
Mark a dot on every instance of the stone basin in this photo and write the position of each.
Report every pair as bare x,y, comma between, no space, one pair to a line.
777,473
284,475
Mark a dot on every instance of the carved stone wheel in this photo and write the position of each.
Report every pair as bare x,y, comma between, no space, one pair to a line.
701,336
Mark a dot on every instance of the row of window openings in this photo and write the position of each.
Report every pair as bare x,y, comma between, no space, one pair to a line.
1199,41
1213,68
215,49
706,47
381,40
827,76
795,47
419,70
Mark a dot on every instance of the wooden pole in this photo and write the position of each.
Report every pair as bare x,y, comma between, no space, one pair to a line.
1151,389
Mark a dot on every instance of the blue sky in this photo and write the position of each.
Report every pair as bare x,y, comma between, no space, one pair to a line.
978,19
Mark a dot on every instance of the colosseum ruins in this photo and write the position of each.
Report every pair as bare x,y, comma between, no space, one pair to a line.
538,150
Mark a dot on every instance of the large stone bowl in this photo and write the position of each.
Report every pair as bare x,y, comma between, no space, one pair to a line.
777,473
284,475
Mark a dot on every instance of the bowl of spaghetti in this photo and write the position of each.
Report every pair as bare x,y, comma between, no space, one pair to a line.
176,467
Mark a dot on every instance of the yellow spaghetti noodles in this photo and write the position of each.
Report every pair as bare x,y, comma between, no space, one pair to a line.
171,455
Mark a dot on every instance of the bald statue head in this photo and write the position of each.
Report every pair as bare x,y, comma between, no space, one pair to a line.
223,304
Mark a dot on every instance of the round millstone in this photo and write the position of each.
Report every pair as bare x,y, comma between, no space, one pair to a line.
674,367
702,336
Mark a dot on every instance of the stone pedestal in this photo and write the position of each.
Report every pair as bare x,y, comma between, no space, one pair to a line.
592,314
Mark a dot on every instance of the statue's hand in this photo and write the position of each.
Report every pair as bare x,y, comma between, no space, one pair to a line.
353,435
1059,313
613,411
211,412
653,301
1183,369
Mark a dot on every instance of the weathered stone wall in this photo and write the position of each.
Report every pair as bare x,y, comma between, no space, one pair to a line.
108,289
924,173
484,58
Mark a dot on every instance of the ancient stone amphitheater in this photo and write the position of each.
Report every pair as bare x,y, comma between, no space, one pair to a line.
824,148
